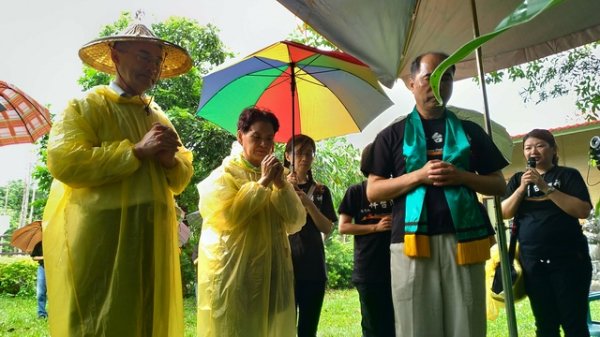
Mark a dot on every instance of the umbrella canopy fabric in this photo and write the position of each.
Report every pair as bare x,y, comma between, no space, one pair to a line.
388,34
22,119
26,237
318,93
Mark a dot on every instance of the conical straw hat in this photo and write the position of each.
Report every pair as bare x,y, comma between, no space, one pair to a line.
96,53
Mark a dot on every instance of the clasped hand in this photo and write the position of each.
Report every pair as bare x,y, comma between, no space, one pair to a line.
441,173
160,143
384,224
271,171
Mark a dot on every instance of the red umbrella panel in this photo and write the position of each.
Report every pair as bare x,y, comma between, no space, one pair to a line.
22,119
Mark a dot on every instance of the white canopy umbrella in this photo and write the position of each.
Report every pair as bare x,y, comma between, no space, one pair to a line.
388,34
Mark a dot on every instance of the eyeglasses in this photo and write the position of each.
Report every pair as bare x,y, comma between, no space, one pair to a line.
304,154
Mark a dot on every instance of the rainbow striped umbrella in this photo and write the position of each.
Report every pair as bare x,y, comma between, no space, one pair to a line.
22,119
318,93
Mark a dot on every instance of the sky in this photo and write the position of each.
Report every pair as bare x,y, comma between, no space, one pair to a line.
41,39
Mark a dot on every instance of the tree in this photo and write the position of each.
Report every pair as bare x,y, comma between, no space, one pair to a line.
11,196
338,165
178,97
573,71
42,177
305,34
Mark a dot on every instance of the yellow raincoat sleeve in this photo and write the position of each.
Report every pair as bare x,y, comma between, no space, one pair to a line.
231,203
179,176
76,151
289,211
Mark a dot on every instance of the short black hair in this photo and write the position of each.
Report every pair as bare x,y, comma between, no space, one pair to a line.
546,136
366,160
253,114
304,142
415,66
301,140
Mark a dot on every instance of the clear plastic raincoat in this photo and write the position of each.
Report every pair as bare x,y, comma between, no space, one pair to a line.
110,229
245,273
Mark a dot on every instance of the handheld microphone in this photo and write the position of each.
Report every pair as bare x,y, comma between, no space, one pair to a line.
530,186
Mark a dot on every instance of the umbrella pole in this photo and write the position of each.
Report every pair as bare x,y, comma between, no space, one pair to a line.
293,89
501,230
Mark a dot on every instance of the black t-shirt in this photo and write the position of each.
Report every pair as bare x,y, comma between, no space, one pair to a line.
545,230
38,251
389,162
308,253
371,251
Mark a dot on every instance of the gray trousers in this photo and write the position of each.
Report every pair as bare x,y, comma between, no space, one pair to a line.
435,297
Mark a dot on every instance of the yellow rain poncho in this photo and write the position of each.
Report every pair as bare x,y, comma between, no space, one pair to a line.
495,302
110,229
245,275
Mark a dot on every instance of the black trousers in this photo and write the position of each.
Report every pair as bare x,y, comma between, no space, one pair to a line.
309,300
558,291
376,308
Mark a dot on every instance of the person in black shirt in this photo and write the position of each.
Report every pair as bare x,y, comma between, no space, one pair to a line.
308,253
440,236
370,223
38,255
553,249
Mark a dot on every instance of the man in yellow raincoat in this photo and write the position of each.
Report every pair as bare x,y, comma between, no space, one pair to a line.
245,273
110,228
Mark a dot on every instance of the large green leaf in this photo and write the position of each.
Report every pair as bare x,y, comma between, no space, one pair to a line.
525,12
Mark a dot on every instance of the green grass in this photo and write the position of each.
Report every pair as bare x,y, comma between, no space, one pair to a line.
340,317
18,318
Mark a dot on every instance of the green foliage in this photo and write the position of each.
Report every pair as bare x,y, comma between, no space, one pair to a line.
571,72
18,277
339,260
11,196
188,270
305,34
337,165
43,178
210,145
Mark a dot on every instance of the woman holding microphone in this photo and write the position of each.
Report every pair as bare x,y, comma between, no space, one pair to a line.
553,250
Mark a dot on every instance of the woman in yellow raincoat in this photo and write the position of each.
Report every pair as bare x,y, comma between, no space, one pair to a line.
245,275
110,229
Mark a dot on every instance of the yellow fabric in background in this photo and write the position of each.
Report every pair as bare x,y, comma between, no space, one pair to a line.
245,275
493,302
110,229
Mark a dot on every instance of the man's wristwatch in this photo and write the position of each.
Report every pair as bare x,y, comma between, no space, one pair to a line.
550,190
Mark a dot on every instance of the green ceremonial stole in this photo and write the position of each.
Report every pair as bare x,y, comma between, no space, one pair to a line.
471,231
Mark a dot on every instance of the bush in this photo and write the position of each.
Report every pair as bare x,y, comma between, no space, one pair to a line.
18,277
188,270
339,257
